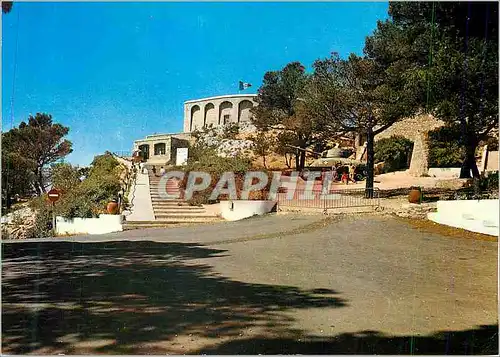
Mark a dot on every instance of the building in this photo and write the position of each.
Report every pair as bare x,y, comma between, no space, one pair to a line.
218,111
161,149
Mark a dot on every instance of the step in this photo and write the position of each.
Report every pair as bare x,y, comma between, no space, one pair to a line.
160,201
158,198
168,218
169,192
178,209
154,224
167,205
197,214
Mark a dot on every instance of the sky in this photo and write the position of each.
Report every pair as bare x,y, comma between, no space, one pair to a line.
116,72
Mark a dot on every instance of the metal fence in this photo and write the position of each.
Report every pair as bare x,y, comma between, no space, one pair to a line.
358,197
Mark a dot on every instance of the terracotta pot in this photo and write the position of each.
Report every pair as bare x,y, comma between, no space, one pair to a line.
415,196
112,208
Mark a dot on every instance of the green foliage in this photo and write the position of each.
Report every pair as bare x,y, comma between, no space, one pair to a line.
263,145
395,152
88,198
43,225
490,182
457,82
209,162
30,149
230,131
445,149
65,176
281,107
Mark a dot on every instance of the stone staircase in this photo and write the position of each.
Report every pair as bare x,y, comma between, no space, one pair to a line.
171,212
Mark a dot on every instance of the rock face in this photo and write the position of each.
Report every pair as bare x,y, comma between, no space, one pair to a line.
228,147
16,225
232,148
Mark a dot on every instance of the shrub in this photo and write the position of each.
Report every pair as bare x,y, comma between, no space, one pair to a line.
209,162
65,176
444,147
490,182
88,198
395,152
43,224
214,165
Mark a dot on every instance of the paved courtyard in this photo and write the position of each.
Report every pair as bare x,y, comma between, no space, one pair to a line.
269,285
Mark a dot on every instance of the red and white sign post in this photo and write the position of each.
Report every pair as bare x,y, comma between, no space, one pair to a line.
53,196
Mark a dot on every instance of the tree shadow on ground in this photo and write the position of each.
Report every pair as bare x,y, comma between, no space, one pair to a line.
57,296
483,340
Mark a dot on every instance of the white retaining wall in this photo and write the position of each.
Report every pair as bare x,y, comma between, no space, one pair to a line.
240,209
480,216
444,172
106,223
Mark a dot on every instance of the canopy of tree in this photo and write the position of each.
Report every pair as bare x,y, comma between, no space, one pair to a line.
439,57
28,150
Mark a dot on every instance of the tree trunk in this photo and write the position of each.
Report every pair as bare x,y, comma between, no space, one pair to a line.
297,160
302,160
288,161
264,161
39,183
469,163
370,159
8,203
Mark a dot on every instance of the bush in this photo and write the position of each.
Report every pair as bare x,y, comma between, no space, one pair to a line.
490,182
395,152
88,198
209,162
65,176
444,147
214,165
43,224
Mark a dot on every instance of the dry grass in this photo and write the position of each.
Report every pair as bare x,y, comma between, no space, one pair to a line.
452,232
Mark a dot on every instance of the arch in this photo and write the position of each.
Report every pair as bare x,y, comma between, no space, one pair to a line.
196,118
160,149
144,148
210,115
225,109
244,114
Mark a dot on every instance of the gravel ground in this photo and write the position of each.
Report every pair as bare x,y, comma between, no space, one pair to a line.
272,285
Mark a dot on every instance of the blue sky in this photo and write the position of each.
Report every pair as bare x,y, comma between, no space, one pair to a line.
115,72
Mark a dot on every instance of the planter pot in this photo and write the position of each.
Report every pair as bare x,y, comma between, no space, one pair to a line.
415,196
112,208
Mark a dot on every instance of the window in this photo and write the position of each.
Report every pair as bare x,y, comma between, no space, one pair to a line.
226,119
160,149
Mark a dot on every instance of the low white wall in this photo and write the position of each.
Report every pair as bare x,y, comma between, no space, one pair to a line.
240,209
480,216
106,223
444,172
